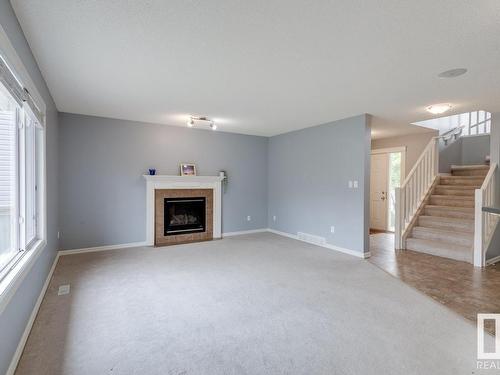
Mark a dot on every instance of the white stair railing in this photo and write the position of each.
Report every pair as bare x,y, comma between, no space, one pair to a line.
410,195
484,223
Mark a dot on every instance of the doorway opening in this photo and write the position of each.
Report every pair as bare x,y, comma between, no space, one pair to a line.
387,173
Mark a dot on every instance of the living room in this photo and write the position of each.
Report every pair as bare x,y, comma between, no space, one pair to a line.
185,187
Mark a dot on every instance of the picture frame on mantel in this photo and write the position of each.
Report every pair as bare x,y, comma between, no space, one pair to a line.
188,169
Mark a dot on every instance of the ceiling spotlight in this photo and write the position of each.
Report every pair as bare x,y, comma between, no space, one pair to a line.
452,73
202,119
437,109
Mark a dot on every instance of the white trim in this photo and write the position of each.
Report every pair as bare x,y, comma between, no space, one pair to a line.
241,232
388,150
493,260
15,63
22,342
354,253
102,248
284,234
11,282
182,182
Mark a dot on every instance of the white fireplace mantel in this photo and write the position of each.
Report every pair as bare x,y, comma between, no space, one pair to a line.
182,182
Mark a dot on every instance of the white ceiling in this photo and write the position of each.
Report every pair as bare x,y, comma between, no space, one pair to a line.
265,67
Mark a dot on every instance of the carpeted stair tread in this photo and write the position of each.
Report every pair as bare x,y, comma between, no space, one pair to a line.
450,190
447,223
442,249
470,170
449,211
450,200
446,236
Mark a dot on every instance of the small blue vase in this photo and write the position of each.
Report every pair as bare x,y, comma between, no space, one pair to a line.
152,171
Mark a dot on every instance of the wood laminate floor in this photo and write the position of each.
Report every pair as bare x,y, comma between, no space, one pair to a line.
460,286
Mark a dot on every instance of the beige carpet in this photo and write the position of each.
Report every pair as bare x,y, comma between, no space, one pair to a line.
255,304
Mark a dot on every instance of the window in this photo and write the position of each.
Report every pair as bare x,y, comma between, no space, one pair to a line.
20,174
8,177
394,182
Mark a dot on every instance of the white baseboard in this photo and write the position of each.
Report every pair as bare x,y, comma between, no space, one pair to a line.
31,320
230,234
284,234
102,248
357,254
493,260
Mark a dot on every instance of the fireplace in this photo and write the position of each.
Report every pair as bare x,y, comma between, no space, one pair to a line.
184,215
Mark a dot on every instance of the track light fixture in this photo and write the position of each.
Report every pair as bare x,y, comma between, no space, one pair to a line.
192,120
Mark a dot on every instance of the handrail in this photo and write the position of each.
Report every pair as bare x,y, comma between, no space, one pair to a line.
411,193
451,131
484,223
419,160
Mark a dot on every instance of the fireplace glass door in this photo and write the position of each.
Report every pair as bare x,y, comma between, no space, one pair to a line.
184,215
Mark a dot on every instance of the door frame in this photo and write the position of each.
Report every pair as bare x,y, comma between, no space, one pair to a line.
390,150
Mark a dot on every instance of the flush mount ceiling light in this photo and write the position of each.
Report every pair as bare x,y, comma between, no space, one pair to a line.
452,73
192,120
437,109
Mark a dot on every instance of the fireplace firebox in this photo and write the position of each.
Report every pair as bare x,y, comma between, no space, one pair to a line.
184,215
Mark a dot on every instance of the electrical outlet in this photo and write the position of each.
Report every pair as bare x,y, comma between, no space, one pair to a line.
355,184
63,289
274,218
249,218
332,229
350,184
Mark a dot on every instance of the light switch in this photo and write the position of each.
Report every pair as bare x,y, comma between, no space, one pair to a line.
355,184
350,184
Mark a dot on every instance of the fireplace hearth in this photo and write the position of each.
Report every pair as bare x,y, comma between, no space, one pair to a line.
184,215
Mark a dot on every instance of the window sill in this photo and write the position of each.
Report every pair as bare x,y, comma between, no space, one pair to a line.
11,282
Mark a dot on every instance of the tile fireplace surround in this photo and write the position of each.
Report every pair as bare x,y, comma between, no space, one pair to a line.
162,186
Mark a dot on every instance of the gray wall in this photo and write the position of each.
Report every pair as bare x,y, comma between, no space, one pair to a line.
475,148
309,172
466,150
103,193
15,316
415,145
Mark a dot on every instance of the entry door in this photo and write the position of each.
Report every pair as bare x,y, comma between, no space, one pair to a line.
378,191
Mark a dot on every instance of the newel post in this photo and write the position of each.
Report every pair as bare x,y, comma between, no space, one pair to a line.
436,156
398,227
478,228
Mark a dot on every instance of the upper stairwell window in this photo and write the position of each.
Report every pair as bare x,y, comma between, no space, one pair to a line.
463,124
475,123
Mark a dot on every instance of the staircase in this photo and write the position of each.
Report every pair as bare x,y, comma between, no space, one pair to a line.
445,224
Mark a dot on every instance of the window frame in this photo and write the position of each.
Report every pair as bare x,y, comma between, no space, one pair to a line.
21,265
